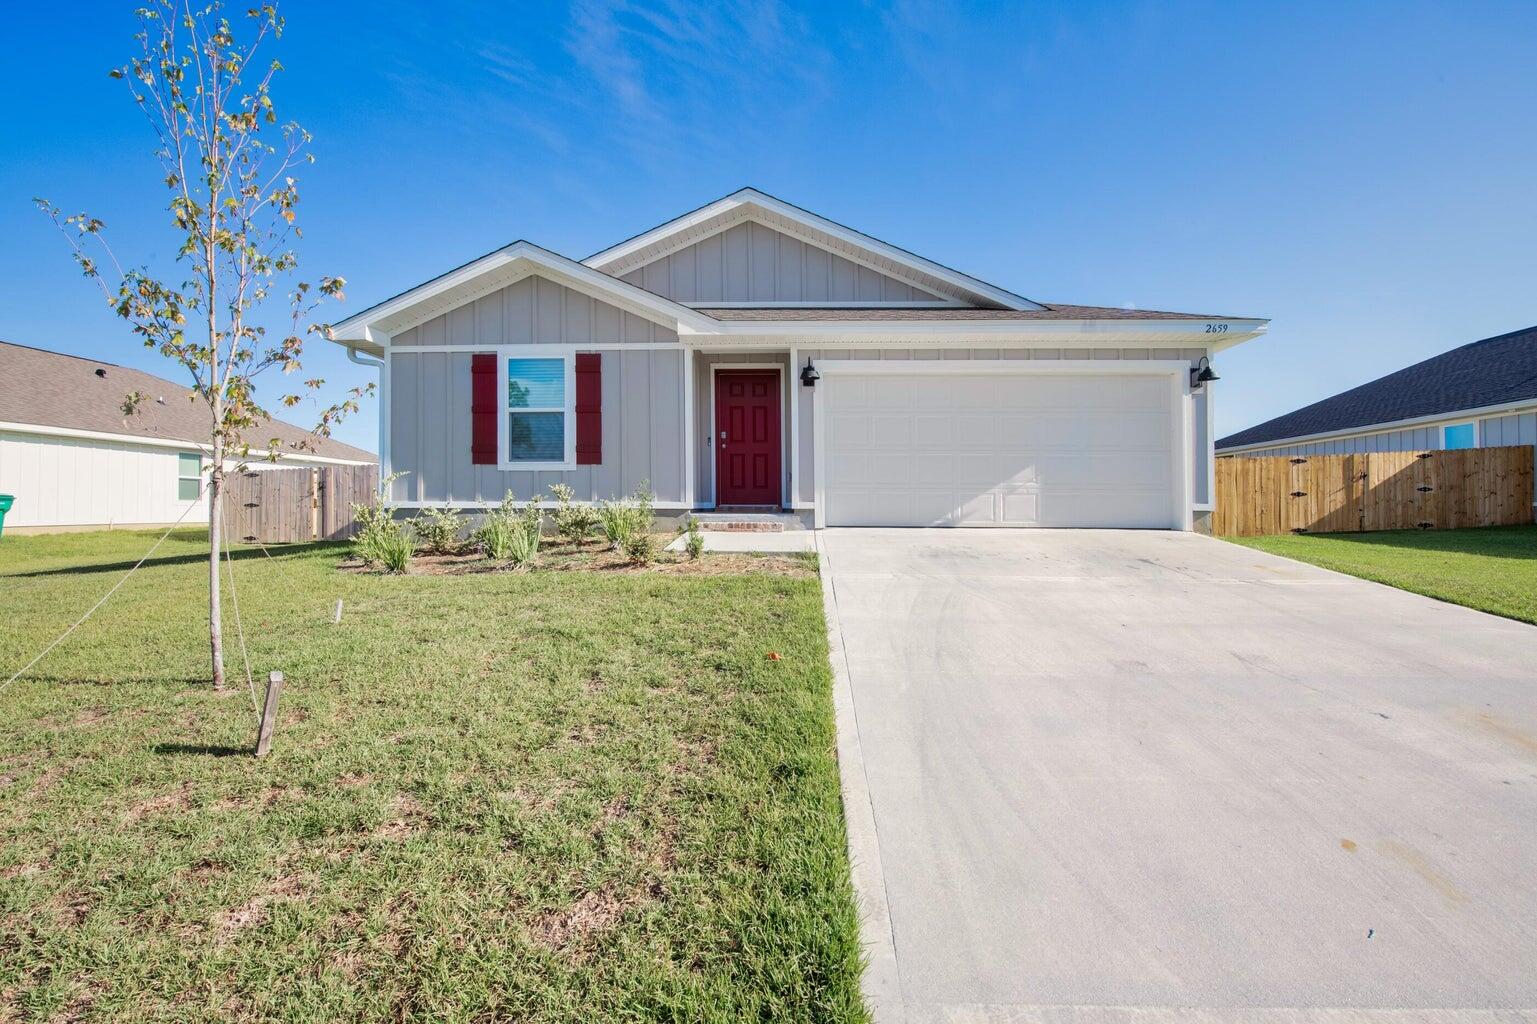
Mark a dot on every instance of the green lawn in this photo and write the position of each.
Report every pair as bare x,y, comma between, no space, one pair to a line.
1492,569
557,796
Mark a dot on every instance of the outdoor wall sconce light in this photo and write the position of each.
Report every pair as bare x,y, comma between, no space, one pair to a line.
810,376
1202,374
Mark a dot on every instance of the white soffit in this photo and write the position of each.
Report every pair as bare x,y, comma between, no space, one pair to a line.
750,204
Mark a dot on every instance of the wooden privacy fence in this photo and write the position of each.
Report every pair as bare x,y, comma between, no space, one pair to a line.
282,506
1373,491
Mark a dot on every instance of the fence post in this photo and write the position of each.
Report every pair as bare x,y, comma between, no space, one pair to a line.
269,714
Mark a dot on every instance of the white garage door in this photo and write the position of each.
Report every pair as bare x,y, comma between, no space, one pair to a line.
940,449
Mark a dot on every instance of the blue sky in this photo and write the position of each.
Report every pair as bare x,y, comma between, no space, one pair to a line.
1365,174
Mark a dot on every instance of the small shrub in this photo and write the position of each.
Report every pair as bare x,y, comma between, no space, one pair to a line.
394,548
438,529
694,545
572,521
378,533
496,537
645,508
640,548
616,521
511,534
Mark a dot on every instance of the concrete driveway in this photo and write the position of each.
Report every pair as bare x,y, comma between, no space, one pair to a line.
1120,776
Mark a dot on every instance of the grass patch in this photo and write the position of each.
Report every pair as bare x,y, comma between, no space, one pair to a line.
542,796
1493,569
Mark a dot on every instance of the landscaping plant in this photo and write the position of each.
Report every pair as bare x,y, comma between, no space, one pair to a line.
640,547
616,521
572,521
695,542
438,529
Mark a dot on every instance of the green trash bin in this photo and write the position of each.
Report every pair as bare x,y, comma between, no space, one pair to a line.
6,501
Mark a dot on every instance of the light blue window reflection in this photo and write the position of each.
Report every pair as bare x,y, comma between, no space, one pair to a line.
536,383
1463,435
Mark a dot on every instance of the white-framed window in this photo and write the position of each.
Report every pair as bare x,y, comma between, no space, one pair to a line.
189,476
538,423
1459,435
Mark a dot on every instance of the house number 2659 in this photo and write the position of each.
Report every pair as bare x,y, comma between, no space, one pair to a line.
1216,328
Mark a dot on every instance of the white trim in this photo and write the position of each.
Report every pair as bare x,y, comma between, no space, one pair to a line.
602,346
690,429
527,258
1181,409
43,430
792,385
985,333
456,504
1388,426
568,423
848,236
715,368
833,303
386,427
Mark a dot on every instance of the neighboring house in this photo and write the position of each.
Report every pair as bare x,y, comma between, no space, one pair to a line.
752,354
1482,395
74,460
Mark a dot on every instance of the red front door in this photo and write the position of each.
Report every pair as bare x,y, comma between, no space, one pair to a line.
747,457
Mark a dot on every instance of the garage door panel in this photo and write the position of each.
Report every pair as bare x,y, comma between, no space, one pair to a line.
998,449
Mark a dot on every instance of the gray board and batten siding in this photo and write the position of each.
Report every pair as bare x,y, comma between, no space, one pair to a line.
429,401
751,262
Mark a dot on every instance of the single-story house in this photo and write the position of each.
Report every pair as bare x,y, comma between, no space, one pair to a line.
73,459
751,354
1482,395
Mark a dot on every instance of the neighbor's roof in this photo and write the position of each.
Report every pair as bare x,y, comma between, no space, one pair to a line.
1056,311
51,389
1492,372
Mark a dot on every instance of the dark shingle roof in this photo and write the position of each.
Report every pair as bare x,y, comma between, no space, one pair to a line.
51,389
1056,311
1495,371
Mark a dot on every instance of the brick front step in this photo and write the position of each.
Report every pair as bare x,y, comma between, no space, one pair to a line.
740,527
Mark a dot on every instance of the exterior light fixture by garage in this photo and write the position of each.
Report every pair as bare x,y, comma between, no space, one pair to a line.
1202,374
810,376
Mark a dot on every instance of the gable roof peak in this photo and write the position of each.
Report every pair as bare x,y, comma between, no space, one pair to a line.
749,203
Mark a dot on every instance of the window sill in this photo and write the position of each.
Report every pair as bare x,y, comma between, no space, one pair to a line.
536,467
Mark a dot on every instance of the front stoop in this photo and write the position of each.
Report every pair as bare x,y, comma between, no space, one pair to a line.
749,522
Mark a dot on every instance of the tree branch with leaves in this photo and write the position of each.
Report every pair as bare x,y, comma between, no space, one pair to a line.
228,166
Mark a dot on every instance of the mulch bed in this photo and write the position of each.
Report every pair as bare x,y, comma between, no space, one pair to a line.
558,556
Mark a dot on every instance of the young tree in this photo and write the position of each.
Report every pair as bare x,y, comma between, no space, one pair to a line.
228,166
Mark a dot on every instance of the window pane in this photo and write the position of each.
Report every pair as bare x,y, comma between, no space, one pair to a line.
187,488
536,383
1460,436
536,437
188,464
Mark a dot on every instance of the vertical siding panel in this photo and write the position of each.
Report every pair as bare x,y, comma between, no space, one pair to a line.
549,302
710,270
655,277
869,286
816,274
790,285
845,280
683,280
518,312
608,477
666,429
762,257
635,372
403,420
736,243
579,307
435,395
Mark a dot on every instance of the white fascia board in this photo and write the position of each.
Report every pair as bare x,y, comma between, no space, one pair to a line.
1456,416
752,197
836,333
357,328
1016,367
44,430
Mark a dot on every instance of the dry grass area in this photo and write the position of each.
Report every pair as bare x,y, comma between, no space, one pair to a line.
557,795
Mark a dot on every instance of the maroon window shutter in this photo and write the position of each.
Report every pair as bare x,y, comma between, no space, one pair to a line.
589,408
483,409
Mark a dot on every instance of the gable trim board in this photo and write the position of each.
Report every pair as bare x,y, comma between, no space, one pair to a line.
749,203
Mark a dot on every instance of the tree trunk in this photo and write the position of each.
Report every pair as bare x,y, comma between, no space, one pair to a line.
215,542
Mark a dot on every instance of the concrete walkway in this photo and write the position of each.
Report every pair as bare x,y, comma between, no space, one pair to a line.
1100,776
